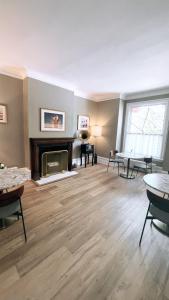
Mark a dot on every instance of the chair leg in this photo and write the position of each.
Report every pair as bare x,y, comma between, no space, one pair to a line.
23,223
118,169
108,166
3,223
144,225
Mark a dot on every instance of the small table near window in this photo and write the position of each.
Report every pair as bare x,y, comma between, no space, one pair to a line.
159,183
129,156
86,150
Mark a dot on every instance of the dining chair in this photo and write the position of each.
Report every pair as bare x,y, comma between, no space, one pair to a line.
145,166
10,204
113,159
158,208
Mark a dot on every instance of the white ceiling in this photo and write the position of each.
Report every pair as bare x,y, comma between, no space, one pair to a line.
97,48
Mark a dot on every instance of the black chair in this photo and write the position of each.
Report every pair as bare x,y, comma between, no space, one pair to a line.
158,208
145,166
114,159
10,204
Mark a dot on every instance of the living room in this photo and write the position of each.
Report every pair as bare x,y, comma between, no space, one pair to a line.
84,156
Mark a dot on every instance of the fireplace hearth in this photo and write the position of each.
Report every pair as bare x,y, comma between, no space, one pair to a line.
56,152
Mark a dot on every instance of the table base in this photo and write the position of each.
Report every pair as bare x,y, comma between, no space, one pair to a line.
123,175
162,227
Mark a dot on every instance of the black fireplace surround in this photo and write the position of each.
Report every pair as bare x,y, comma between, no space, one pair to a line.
40,145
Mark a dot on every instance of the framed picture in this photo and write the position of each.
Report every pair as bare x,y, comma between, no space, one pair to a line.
52,120
83,122
3,113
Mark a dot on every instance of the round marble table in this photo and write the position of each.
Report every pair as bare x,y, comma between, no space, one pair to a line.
159,183
129,156
11,177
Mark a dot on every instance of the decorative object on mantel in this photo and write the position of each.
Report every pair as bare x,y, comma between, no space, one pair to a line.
83,122
52,120
96,132
2,166
11,177
83,135
3,113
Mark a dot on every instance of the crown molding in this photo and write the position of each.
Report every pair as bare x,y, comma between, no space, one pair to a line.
145,94
11,74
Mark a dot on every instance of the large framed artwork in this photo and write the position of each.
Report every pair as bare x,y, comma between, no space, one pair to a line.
83,122
52,120
3,113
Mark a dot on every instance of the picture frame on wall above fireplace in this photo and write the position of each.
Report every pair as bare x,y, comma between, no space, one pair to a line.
52,120
3,113
83,122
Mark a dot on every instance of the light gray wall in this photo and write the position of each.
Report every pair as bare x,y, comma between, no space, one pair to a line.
44,95
107,117
11,134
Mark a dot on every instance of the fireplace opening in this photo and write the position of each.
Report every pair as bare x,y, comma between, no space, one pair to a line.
54,162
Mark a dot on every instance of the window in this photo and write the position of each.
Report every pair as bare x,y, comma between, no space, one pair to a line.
146,128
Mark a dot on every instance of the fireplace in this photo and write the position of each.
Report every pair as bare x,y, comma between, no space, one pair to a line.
54,162
50,156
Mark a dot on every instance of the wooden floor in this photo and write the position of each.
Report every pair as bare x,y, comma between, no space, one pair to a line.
83,235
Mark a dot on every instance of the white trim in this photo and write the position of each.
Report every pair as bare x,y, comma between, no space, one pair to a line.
102,160
77,161
144,94
55,177
13,75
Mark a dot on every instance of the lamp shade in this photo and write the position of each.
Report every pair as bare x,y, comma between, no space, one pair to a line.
96,130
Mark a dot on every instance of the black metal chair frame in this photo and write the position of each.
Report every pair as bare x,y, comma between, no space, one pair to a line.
148,166
159,202
15,195
113,159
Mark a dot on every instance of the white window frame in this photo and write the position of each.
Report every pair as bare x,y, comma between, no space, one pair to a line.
166,120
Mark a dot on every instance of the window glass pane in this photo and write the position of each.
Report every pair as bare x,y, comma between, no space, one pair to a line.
147,119
145,129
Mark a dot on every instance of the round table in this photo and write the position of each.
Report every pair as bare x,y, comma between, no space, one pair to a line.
159,183
11,177
129,156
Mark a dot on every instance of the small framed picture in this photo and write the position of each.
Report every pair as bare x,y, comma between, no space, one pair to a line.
52,120
83,122
3,113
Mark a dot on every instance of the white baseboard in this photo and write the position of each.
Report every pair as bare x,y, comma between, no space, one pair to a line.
77,161
102,160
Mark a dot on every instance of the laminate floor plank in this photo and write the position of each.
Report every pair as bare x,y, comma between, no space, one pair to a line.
83,235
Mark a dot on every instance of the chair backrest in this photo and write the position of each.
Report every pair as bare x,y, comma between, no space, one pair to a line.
159,202
148,160
113,153
10,197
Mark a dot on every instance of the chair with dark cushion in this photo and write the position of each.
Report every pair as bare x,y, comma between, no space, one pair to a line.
145,166
158,208
10,204
114,159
